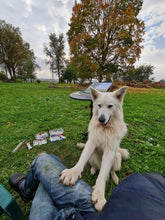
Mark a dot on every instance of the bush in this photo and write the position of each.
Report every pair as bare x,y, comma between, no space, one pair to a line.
18,80
38,81
3,76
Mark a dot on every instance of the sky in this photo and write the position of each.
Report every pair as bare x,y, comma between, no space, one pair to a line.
36,19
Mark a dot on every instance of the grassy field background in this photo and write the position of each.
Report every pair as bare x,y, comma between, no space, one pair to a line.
27,109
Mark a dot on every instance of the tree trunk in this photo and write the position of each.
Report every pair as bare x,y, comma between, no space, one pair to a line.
10,73
14,73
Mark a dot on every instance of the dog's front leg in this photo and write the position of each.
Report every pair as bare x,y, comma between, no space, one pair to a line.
98,197
70,176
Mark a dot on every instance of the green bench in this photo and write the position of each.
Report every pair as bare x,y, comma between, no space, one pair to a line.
9,206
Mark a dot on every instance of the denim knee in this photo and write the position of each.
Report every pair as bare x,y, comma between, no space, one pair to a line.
41,157
44,156
47,160
39,160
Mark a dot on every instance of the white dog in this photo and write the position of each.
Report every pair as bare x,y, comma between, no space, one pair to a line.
102,150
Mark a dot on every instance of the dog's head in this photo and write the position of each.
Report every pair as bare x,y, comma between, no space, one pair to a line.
107,104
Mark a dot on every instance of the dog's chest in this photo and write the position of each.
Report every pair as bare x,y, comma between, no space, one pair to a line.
102,139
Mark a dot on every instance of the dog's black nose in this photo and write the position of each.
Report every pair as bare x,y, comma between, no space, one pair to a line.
102,119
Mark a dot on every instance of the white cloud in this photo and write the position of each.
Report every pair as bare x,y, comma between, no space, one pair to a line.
155,57
41,27
10,4
42,74
29,4
153,14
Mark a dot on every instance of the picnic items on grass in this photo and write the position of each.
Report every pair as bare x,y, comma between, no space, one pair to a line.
55,135
41,138
55,132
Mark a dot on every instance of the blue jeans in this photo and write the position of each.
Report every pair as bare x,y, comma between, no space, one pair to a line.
53,200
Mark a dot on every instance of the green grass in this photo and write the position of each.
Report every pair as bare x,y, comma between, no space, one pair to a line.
26,109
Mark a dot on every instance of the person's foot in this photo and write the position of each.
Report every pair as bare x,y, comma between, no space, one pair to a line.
15,181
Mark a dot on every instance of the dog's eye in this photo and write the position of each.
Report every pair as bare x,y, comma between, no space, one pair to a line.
110,106
99,105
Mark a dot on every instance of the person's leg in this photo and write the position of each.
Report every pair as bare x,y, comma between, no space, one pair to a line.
46,169
42,206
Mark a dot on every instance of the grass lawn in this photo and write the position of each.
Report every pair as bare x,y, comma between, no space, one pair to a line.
27,109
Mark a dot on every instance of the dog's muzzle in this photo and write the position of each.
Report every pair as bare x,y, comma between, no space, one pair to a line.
102,121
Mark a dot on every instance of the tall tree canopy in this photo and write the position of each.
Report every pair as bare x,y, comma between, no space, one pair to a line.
27,71
14,52
105,35
56,55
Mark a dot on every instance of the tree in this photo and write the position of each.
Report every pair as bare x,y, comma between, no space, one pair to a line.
3,76
14,52
105,35
70,73
143,72
56,55
140,73
27,71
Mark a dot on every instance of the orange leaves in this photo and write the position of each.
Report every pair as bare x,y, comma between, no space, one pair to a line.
76,9
93,67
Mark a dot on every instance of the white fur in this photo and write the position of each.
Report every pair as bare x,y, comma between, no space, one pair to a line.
102,150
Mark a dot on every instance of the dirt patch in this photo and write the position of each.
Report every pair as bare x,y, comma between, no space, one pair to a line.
133,86
142,87
52,85
146,84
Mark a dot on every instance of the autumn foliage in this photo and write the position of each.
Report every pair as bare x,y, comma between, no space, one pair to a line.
105,36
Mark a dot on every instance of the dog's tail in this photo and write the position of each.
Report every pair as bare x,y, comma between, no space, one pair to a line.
124,153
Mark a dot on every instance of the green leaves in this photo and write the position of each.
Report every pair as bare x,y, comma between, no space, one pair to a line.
55,54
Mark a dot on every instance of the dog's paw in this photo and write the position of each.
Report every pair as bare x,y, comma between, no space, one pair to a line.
70,176
98,199
93,171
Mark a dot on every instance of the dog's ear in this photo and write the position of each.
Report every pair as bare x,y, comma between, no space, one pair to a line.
94,93
119,94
